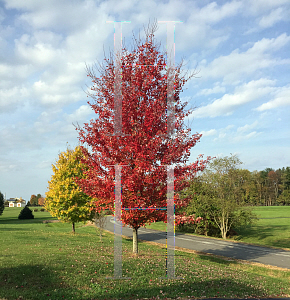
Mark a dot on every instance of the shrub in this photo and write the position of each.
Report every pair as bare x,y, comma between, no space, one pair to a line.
42,209
26,213
35,209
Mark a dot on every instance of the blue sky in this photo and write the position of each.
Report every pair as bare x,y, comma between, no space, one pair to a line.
242,92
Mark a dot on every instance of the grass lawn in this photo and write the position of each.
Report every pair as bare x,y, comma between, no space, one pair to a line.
266,232
46,261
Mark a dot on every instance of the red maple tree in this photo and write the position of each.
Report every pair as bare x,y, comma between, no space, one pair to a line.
145,145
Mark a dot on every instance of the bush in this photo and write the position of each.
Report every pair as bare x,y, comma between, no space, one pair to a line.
26,213
35,209
42,209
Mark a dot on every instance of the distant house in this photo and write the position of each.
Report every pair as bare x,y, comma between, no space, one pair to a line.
16,202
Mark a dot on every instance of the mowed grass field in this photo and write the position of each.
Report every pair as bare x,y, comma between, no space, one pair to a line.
274,231
46,261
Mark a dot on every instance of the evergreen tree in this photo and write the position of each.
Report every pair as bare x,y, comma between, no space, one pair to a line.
26,213
1,203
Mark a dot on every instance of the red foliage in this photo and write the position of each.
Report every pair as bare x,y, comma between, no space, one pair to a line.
183,219
41,201
146,145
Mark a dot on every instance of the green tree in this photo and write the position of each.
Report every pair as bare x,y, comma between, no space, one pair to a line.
284,198
200,206
245,186
33,200
224,186
2,206
64,199
38,196
219,196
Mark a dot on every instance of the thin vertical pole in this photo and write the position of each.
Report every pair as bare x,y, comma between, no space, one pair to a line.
170,231
118,78
118,226
170,237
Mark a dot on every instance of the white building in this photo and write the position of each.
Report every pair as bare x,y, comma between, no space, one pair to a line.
16,202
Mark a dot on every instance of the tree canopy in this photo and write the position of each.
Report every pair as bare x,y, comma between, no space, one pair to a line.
218,196
64,199
145,147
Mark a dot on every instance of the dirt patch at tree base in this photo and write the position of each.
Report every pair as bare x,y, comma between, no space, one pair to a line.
50,221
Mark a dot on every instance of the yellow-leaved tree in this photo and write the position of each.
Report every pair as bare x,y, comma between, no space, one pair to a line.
64,199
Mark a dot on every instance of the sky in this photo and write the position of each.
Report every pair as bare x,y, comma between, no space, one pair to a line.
241,93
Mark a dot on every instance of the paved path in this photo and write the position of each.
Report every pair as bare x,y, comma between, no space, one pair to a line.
259,254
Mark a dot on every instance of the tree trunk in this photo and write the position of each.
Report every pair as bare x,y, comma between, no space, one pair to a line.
223,227
135,240
73,228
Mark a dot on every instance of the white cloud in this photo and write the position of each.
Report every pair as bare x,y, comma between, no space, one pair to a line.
65,15
258,7
31,50
236,136
80,115
238,64
215,90
247,127
281,98
244,137
212,13
222,135
209,132
273,44
200,30
230,127
11,98
226,105
14,75
275,16
224,132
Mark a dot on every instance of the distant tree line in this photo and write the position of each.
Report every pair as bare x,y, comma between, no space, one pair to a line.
272,186
36,200
265,188
262,188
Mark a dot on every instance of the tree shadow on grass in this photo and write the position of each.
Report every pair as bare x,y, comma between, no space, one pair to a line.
283,243
200,288
260,232
221,261
12,229
32,282
16,221
263,232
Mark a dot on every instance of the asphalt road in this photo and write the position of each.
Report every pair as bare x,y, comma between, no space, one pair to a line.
257,254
